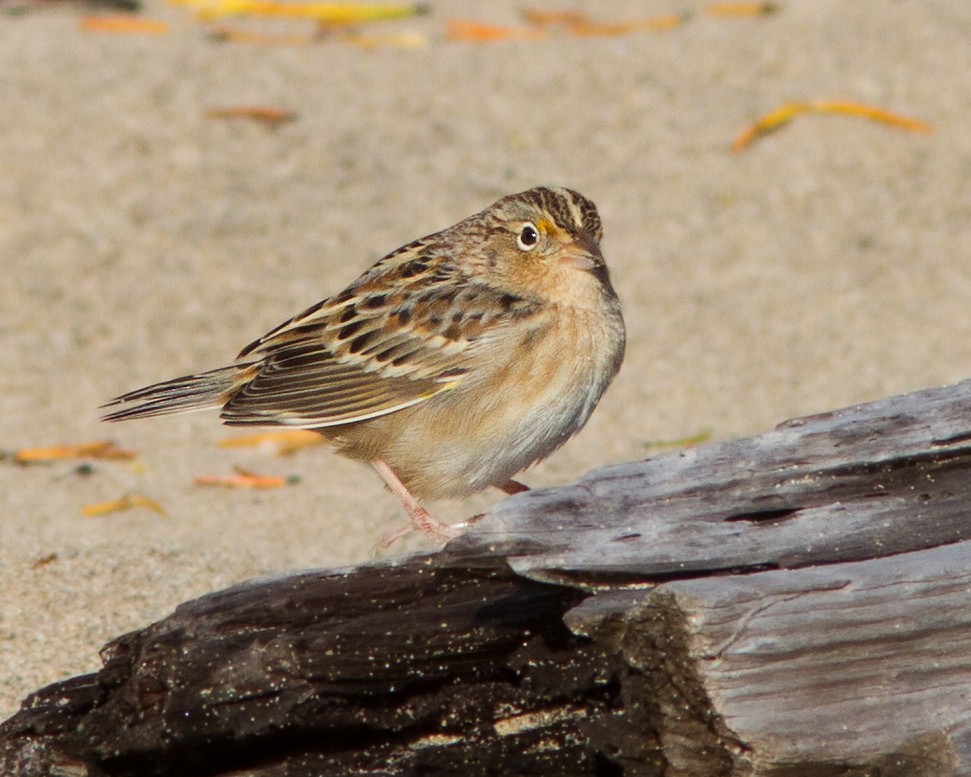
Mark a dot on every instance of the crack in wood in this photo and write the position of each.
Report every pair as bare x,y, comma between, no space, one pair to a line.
765,517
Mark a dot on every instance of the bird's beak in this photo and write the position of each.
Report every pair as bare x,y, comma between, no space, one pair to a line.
583,253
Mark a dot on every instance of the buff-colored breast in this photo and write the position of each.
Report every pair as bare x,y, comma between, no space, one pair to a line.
516,410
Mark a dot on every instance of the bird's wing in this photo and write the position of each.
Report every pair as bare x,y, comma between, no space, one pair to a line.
401,334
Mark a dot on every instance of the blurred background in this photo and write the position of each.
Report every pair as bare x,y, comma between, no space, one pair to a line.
170,191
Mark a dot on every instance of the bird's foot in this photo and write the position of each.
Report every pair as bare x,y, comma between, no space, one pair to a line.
421,521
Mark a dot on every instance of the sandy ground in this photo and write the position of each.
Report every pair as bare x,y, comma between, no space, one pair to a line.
828,264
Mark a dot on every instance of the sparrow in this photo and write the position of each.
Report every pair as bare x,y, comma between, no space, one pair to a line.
449,366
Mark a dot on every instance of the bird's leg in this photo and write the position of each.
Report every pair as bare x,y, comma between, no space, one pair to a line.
512,487
418,515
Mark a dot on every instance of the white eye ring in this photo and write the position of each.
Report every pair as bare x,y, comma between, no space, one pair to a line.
528,237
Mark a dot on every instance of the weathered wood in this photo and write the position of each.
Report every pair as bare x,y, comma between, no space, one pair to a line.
798,603
803,672
867,481
382,670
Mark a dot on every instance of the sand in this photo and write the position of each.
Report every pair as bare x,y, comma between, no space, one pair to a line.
828,264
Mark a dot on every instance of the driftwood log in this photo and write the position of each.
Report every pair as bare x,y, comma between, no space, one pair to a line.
797,603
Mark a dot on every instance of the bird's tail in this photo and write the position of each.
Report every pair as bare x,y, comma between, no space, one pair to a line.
180,395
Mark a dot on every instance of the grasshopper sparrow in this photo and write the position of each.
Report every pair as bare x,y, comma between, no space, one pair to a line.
450,365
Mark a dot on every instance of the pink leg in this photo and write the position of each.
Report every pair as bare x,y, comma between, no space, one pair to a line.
418,515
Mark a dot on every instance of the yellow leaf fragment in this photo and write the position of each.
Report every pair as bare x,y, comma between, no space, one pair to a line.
681,442
780,116
123,24
336,14
127,502
93,450
768,123
286,442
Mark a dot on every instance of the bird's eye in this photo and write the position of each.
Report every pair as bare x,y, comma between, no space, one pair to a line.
528,237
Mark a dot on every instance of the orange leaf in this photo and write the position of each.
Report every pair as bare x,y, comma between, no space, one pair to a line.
91,450
242,479
579,23
271,117
871,112
123,24
780,116
534,16
286,442
601,29
742,9
477,32
768,123
126,502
